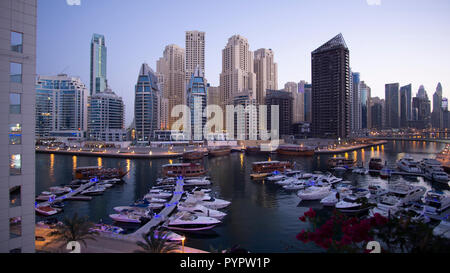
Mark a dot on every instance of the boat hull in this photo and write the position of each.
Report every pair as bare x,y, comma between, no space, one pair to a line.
295,153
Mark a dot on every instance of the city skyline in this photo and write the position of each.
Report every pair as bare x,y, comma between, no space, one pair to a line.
370,31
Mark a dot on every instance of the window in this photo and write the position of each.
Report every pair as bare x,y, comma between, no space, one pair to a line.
16,41
15,164
15,227
14,103
15,134
15,72
15,197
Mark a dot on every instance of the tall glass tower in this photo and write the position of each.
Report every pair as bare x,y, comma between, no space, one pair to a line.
98,64
197,101
146,104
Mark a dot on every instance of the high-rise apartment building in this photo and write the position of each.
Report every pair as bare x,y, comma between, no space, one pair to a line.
306,89
61,107
17,100
195,52
421,109
266,71
355,94
172,66
197,100
437,118
331,89
284,100
214,95
405,105
146,104
98,64
245,116
298,110
377,113
364,104
237,70
106,119
392,96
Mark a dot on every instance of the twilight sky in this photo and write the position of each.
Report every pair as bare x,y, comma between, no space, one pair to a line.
405,41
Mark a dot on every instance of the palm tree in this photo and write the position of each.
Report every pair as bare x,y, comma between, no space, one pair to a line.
156,242
74,229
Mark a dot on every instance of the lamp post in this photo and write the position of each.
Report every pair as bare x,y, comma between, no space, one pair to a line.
182,244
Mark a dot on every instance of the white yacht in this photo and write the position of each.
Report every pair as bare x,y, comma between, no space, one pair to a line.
138,208
353,203
207,201
186,221
197,182
332,199
387,205
432,170
201,210
317,192
155,200
295,186
94,190
126,217
436,203
408,164
286,181
60,190
158,194
275,178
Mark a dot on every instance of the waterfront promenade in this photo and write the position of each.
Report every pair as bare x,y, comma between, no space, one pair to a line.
349,148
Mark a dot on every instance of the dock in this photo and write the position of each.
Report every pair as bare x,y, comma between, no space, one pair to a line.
70,196
162,216
393,172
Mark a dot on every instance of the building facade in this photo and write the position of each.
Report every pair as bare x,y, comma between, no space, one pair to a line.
365,91
392,96
266,71
285,101
17,100
106,117
405,105
61,106
377,113
195,52
172,66
237,70
298,110
197,100
356,118
98,64
245,116
213,95
421,109
306,89
331,89
147,102
437,118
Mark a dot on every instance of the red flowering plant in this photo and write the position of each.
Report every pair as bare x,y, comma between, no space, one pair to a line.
341,233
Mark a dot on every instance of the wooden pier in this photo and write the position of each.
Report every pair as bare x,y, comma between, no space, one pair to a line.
69,196
162,216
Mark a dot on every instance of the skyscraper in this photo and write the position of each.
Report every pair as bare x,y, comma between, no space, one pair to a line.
266,71
197,100
392,96
172,66
284,100
306,89
245,116
377,113
237,69
213,95
364,91
106,119
195,52
98,64
147,104
437,114
422,109
405,105
331,89
17,100
356,119
61,107
298,110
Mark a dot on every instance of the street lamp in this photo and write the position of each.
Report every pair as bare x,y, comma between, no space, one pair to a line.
182,244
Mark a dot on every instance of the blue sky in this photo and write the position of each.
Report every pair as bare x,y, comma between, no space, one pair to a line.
395,41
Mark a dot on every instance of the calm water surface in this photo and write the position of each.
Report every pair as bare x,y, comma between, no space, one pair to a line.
262,217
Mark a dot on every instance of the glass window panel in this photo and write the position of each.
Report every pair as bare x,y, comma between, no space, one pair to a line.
15,197
16,41
15,164
15,134
15,227
14,103
15,72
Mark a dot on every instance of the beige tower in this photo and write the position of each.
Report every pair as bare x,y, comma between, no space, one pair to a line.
195,52
266,71
171,65
298,110
237,69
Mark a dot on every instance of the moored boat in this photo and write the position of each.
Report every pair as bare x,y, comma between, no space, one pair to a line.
376,163
219,151
183,170
341,162
193,155
47,210
82,173
268,167
186,221
295,150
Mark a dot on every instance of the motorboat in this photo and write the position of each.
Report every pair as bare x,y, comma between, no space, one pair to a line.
316,192
170,236
406,193
409,165
139,209
200,190
432,170
186,221
201,210
362,171
60,190
436,202
155,200
47,210
377,190
158,194
112,181
104,228
207,201
376,164
286,181
386,172
144,203
443,229
275,178
387,205
197,182
126,216
94,190
295,186
353,204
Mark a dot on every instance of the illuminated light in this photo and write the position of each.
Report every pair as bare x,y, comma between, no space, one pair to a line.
128,165
74,162
99,162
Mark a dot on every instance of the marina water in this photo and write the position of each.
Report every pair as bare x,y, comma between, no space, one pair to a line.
263,217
